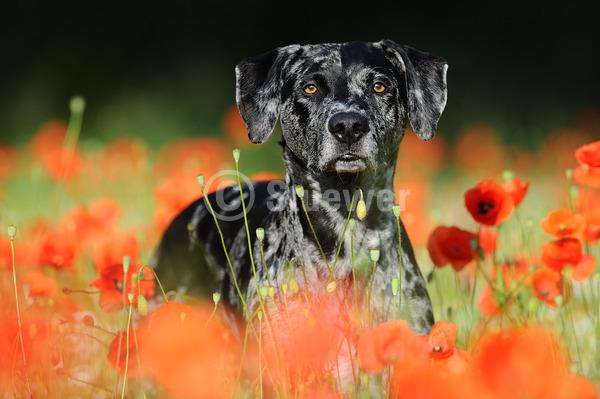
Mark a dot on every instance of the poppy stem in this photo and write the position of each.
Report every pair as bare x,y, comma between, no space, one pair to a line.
12,232
157,280
127,344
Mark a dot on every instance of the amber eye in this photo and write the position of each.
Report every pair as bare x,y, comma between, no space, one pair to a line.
379,87
310,89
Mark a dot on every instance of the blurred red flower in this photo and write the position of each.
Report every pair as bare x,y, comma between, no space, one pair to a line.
124,157
182,349
110,284
57,249
547,285
589,155
8,160
588,176
35,334
112,250
562,222
488,239
525,363
516,189
234,126
391,343
444,355
137,341
92,224
489,203
63,163
568,252
451,245
40,284
50,136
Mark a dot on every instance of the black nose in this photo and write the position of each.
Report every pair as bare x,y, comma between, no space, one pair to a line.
348,127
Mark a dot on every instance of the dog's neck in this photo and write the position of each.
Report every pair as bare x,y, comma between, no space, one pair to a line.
329,197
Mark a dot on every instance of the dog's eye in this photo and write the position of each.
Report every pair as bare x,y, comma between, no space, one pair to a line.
378,87
310,89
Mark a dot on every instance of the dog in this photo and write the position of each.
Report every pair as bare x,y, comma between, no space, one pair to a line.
343,109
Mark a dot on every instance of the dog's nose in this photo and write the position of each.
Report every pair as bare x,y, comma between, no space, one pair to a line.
348,127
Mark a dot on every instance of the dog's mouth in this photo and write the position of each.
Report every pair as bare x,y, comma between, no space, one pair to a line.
349,163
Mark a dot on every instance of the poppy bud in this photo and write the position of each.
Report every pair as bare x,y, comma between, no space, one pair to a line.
216,297
569,174
396,209
300,191
508,175
142,305
12,231
284,288
558,300
374,255
395,284
260,315
77,105
293,285
331,286
271,292
264,291
260,234
361,209
200,179
126,262
236,155
131,297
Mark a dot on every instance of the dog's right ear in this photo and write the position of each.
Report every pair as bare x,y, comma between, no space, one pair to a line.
258,91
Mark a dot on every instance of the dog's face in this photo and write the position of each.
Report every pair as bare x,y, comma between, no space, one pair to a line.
343,107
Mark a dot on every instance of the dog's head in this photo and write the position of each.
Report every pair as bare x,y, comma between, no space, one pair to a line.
342,107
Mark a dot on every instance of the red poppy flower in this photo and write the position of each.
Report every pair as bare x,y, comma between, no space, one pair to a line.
192,156
592,231
487,303
36,344
111,251
487,240
562,223
561,253
39,284
588,176
516,189
589,155
183,349
391,343
110,284
518,363
489,203
451,245
137,340
57,249
445,356
547,285
63,164
583,269
50,136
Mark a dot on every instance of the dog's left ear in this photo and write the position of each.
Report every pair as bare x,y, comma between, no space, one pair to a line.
258,91
425,84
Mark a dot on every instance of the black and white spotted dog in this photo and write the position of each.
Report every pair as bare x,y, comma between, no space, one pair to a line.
343,109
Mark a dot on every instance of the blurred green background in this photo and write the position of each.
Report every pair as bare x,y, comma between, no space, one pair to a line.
165,69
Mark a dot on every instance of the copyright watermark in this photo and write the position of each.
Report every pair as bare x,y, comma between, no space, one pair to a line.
226,200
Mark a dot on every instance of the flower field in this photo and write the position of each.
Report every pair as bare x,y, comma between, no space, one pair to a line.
507,239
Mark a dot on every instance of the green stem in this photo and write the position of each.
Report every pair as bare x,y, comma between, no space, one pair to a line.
157,280
14,272
127,354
